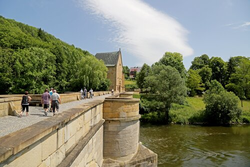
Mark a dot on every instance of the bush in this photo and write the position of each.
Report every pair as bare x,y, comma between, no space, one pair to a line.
221,106
153,118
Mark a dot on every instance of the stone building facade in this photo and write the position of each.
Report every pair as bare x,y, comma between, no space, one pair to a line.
113,61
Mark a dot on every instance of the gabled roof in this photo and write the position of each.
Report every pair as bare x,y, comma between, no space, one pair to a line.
109,58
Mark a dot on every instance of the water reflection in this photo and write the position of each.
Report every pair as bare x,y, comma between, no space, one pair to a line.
187,145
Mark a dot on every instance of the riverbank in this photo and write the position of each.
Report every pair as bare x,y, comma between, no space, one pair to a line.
192,112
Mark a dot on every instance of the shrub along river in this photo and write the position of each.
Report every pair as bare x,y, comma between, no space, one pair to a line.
188,145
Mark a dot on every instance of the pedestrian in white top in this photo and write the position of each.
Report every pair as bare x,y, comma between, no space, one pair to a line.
55,100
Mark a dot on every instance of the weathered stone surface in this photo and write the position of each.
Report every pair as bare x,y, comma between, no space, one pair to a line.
32,157
143,158
49,145
5,153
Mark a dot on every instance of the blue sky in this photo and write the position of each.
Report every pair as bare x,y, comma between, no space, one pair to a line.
143,29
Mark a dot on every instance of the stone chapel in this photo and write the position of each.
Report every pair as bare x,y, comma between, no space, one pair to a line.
113,61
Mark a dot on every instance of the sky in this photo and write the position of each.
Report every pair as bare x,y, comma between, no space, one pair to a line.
143,29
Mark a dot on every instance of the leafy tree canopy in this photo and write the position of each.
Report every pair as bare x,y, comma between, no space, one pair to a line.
166,86
34,60
140,78
174,60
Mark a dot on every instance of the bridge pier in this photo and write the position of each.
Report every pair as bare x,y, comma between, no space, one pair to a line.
121,134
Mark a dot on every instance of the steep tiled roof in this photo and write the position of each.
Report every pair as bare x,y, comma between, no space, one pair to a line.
109,58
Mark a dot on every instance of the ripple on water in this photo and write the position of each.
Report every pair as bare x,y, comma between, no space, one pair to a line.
198,146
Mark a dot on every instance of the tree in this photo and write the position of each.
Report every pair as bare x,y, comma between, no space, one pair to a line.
200,62
221,106
239,81
206,74
33,60
91,73
194,82
126,72
166,86
232,64
219,69
140,78
174,60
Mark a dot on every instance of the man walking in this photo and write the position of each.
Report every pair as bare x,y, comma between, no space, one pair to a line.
55,100
45,101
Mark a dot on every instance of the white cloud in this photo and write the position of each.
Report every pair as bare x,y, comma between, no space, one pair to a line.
245,24
239,25
141,30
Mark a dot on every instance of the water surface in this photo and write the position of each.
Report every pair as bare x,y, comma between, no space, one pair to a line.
188,145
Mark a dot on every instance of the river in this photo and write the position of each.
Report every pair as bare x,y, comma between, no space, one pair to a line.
194,146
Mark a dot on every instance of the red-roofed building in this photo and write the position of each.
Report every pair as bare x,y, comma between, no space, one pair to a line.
133,71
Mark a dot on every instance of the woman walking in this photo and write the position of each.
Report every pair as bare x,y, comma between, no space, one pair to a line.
25,103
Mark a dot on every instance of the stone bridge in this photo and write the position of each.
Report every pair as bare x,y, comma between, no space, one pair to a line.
101,132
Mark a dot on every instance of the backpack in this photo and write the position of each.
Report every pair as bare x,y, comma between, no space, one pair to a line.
25,100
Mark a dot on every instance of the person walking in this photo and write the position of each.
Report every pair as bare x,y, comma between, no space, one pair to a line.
25,103
82,95
85,93
91,93
45,100
55,100
50,104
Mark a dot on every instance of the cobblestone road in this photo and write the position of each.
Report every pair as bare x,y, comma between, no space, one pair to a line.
9,124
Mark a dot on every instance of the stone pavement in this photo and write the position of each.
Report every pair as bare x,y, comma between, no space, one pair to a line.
9,124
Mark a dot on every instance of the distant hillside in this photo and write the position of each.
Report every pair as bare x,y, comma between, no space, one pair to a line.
33,60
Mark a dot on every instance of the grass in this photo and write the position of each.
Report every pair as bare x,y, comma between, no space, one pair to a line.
130,82
192,111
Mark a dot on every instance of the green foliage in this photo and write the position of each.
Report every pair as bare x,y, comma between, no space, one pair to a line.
194,83
219,68
137,96
153,118
165,86
233,62
126,72
34,60
140,78
240,79
221,106
174,60
130,85
200,62
206,73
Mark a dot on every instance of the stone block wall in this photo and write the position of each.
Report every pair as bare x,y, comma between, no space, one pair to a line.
53,141
112,77
9,104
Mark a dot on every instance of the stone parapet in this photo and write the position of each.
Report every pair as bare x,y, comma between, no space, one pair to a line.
11,104
53,140
8,105
120,108
127,94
